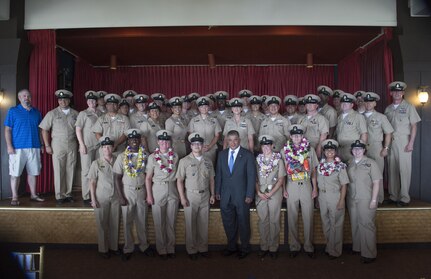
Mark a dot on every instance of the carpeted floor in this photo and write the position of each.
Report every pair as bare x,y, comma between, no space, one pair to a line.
84,262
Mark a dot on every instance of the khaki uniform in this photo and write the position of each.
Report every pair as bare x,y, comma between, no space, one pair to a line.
136,119
314,127
378,125
359,194
165,207
330,114
136,210
108,212
114,127
222,117
178,127
300,193
400,162
277,128
85,121
348,130
64,149
332,218
294,119
244,128
269,210
256,121
197,175
149,130
207,129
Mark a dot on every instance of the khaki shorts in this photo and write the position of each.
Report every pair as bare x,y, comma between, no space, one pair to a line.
25,157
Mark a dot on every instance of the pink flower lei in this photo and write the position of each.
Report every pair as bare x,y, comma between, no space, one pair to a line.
266,168
295,154
169,168
327,168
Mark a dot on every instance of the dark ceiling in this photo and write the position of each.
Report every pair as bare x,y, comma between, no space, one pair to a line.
230,45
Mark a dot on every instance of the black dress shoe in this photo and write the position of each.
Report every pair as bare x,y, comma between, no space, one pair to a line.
389,201
293,254
171,255
227,252
366,260
69,199
87,202
262,253
311,255
164,257
205,255
149,252
402,204
193,257
115,252
105,255
242,255
60,201
126,256
273,255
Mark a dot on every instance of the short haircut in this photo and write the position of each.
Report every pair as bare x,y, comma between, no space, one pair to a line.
233,133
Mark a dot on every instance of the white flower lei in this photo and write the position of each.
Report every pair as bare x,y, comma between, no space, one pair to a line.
166,169
266,168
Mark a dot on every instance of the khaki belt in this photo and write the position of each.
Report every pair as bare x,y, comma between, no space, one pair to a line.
197,191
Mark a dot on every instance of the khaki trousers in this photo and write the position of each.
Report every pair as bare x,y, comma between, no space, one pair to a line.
373,151
362,220
300,193
268,212
64,164
86,160
400,170
108,222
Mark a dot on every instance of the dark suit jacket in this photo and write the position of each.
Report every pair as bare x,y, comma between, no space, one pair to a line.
241,183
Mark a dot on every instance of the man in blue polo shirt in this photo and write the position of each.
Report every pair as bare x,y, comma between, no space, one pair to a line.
23,144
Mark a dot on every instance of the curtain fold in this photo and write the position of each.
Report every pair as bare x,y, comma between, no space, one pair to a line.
182,80
42,84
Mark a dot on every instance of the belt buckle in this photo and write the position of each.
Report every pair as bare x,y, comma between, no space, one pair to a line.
201,191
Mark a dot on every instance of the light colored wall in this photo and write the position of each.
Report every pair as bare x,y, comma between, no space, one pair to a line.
49,14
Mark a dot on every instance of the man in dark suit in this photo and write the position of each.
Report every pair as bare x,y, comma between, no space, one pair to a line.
235,183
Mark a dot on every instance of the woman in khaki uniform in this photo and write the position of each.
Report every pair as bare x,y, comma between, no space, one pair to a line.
88,143
269,195
207,127
195,183
129,179
332,182
162,193
241,124
104,200
150,128
177,126
364,175
256,117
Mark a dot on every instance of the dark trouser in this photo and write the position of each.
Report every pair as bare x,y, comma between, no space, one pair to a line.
236,217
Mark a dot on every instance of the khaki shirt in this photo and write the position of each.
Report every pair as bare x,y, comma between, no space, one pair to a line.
350,128
378,125
118,168
196,173
85,121
256,121
314,127
113,127
178,127
221,117
244,128
207,128
277,172
159,175
101,172
312,160
402,117
333,182
136,119
62,126
362,175
277,128
331,115
294,119
149,130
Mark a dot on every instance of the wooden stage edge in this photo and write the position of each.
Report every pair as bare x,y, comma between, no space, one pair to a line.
74,223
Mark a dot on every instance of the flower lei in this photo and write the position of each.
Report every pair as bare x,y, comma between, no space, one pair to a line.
130,168
294,154
266,168
327,168
169,168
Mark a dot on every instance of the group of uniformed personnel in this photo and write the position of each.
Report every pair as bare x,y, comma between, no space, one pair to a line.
210,118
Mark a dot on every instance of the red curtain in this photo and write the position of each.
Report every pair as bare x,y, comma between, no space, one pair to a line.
42,84
182,80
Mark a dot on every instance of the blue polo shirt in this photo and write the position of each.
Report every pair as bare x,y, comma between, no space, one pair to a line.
25,126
